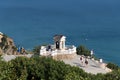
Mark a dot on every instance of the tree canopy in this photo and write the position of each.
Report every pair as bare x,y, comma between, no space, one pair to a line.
43,68
82,50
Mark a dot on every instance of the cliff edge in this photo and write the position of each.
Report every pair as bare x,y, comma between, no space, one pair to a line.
7,45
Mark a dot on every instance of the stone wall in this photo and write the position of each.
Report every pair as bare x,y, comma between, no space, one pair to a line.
64,56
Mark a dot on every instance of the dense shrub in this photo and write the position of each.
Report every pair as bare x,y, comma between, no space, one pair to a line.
81,50
112,66
115,75
42,68
36,49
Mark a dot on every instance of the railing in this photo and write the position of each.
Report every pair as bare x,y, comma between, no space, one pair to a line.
69,50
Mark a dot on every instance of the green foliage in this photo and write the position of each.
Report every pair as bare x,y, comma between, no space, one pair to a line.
38,68
19,67
115,75
36,50
112,66
5,71
43,68
73,76
98,77
81,50
0,57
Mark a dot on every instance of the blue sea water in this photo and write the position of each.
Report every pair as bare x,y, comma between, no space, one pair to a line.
93,23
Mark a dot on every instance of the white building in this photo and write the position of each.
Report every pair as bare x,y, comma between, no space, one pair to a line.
58,47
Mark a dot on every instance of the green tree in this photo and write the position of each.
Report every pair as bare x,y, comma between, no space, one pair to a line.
36,50
112,66
81,50
19,68
73,76
5,70
115,75
43,68
24,74
99,76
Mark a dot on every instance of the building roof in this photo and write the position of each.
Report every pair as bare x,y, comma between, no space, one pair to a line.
58,37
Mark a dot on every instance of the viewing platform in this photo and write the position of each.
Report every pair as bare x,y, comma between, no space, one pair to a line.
59,48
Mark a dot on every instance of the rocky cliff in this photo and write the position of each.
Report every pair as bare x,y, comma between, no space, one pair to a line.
7,45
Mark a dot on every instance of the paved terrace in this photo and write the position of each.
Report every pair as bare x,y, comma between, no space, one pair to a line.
93,66
10,57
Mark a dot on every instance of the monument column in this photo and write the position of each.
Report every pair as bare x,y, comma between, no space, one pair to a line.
63,44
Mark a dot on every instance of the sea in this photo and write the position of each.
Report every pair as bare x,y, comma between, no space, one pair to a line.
92,23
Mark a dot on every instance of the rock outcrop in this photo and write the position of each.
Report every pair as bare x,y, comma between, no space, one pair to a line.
7,45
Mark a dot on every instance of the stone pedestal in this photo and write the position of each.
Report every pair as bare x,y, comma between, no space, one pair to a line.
64,56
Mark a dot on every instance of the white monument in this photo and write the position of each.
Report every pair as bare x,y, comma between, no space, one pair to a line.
59,47
59,41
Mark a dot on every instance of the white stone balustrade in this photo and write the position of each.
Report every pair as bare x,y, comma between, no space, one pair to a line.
68,50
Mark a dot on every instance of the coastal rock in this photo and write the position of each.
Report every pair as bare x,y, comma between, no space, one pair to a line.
7,45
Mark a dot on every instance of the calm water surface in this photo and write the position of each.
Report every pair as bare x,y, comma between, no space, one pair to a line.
93,23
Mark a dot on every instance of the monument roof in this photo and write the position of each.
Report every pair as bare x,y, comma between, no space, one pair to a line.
58,37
